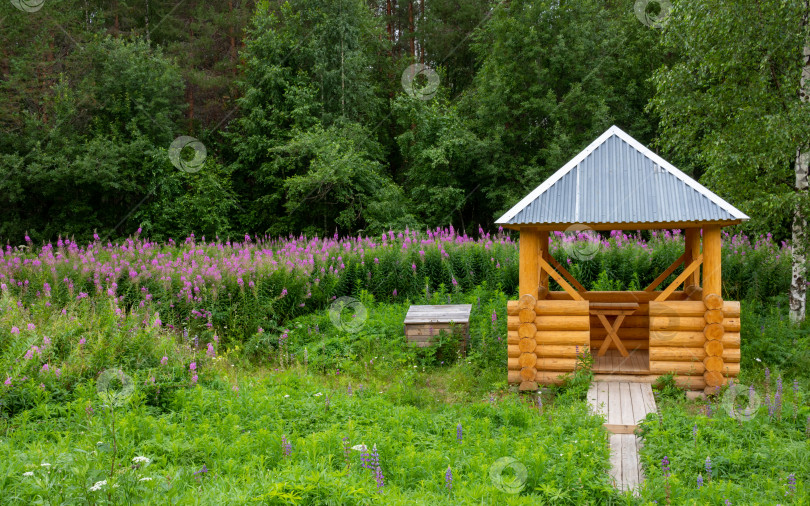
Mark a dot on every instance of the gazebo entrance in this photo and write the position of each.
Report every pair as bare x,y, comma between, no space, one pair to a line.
683,327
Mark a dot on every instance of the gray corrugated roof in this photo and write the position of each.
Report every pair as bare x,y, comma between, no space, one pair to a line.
618,180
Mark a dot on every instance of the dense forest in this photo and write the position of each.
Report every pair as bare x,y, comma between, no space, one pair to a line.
302,116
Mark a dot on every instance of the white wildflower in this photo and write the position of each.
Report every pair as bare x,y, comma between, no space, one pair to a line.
45,464
145,479
97,486
360,448
29,473
758,360
318,394
141,460
286,395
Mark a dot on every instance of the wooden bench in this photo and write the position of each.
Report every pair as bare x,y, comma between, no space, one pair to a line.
618,309
423,323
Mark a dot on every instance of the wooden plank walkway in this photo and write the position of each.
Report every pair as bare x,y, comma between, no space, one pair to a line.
623,404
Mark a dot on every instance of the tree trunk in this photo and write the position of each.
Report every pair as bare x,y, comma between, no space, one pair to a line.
411,29
231,35
798,283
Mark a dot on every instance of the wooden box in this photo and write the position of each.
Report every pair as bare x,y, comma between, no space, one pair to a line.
423,323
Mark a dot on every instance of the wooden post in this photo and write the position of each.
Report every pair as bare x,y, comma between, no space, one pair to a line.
692,249
529,266
712,272
713,300
543,275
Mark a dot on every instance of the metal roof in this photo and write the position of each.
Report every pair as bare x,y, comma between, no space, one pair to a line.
616,179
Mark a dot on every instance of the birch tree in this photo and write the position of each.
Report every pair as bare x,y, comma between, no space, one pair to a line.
734,111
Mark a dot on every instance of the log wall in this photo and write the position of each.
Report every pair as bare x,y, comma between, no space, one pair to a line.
699,339
544,337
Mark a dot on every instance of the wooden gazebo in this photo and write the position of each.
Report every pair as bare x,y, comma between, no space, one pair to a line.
685,328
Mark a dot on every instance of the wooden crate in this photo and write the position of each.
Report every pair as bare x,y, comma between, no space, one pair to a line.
423,323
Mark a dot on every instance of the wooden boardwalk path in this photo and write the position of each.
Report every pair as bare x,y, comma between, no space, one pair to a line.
624,405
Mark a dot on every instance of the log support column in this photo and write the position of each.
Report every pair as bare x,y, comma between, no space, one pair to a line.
529,266
527,343
692,250
713,330
542,291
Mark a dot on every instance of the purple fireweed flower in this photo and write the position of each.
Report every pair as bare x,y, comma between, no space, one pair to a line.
8,381
45,368
15,330
448,478
192,366
395,292
286,446
284,292
31,326
194,379
211,353
164,360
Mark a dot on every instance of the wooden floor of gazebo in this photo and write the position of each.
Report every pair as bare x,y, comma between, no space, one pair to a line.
612,362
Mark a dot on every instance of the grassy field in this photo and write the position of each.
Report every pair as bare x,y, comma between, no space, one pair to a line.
142,395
